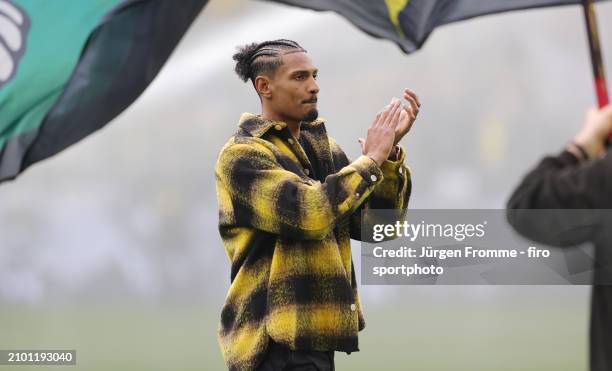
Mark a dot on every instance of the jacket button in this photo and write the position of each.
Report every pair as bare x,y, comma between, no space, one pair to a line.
353,307
357,195
307,171
373,177
290,140
278,127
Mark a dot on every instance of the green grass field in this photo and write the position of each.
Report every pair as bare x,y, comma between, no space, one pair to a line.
400,337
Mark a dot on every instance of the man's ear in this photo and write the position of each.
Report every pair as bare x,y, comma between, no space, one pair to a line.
262,85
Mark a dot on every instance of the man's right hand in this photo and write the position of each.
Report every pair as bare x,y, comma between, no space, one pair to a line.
595,131
381,135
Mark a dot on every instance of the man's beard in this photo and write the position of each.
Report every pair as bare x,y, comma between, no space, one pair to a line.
311,115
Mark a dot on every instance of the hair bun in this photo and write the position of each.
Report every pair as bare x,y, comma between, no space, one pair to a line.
242,58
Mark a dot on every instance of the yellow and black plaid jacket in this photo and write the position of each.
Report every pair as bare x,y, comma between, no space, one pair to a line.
286,223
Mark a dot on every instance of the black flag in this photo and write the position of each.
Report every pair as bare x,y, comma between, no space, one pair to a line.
410,22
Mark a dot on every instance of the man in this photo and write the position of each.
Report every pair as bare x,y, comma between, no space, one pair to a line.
578,178
289,202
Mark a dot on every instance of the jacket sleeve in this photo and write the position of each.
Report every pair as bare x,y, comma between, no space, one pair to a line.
562,182
255,190
393,193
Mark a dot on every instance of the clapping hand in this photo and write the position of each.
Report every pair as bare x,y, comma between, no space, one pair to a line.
408,115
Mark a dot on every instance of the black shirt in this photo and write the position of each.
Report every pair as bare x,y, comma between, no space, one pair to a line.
563,182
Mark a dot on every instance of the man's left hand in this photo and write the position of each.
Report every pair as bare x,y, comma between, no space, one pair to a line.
408,115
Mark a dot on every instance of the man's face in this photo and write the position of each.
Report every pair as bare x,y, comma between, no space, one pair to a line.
294,89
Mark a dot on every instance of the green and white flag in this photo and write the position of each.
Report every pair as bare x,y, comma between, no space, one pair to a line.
68,67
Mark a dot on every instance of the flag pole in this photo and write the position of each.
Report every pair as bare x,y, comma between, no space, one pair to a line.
596,59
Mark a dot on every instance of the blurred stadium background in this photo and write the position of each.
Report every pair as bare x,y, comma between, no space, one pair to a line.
111,247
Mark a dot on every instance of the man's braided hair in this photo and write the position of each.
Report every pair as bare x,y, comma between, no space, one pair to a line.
262,58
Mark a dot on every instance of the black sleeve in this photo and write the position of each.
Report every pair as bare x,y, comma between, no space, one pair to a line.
562,182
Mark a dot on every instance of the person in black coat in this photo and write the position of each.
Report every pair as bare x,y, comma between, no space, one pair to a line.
579,178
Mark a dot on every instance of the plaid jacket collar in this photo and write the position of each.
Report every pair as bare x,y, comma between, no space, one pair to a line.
258,126
313,133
